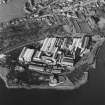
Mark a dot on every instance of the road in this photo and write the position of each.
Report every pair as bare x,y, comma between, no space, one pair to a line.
19,46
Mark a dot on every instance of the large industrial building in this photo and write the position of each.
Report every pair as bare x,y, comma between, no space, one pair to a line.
53,51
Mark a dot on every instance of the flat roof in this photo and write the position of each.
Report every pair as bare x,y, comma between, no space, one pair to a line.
35,67
67,59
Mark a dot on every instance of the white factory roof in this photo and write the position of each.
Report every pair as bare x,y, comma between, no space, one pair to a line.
48,44
26,54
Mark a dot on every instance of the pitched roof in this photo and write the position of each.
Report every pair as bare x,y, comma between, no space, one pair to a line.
85,28
81,26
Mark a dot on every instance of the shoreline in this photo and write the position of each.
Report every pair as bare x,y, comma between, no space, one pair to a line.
5,71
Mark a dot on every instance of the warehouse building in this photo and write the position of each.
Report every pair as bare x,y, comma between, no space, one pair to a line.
26,55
